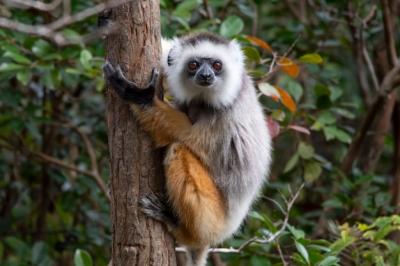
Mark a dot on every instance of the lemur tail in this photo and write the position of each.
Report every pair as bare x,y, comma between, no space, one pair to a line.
196,256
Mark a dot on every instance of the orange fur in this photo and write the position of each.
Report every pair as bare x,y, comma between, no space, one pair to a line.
191,190
195,197
164,123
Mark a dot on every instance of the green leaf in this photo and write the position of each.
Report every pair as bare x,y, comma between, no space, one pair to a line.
20,248
231,26
303,251
313,58
306,151
297,233
265,220
184,10
252,54
85,58
343,136
342,243
82,258
291,163
329,261
259,261
333,132
18,58
24,76
41,48
7,67
39,252
312,170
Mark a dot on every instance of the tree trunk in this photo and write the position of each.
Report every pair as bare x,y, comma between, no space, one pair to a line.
135,167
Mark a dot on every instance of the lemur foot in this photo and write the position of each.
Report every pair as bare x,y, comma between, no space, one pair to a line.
156,206
127,89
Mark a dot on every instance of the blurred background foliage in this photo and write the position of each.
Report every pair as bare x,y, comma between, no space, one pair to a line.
304,56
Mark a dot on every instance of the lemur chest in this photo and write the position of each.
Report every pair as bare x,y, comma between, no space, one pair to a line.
198,112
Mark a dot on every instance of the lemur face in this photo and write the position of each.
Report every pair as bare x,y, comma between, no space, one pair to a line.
204,68
203,71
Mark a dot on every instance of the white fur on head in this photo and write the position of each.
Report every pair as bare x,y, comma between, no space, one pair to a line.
220,95
166,46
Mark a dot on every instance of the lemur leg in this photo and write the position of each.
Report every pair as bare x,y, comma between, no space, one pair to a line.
194,197
197,256
164,123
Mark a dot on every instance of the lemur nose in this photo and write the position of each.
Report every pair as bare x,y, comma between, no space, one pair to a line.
206,76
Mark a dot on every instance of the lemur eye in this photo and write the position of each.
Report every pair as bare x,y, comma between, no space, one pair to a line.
192,65
217,65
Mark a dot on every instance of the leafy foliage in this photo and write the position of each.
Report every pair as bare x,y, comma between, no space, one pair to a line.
51,105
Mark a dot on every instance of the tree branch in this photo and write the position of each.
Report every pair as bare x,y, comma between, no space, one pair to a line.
50,31
390,82
46,7
388,23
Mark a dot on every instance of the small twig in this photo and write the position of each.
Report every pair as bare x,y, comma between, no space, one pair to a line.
49,159
294,10
370,16
207,9
290,49
66,8
371,68
46,7
278,247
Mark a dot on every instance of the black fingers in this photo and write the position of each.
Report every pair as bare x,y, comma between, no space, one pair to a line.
156,206
104,18
127,89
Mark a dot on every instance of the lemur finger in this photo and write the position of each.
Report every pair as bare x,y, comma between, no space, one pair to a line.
108,69
155,206
154,78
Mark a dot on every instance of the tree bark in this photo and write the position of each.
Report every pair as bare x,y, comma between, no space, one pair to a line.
135,167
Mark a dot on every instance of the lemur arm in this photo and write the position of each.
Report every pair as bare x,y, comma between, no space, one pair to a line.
164,123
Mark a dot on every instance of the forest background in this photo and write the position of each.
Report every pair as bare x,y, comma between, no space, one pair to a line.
327,73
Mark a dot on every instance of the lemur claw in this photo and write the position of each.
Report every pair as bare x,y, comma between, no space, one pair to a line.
127,89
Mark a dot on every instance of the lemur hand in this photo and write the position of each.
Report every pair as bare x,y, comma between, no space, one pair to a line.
127,89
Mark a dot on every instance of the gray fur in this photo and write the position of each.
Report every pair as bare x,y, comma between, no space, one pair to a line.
235,145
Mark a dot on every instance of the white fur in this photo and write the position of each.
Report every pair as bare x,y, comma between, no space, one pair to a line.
221,93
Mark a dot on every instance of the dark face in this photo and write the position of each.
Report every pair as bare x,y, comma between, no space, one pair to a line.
204,71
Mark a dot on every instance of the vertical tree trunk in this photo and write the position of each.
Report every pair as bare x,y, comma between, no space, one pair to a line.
135,166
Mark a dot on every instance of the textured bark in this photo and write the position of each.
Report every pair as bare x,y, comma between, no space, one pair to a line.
134,164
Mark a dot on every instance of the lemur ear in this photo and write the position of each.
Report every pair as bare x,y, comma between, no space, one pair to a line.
169,51
236,50
169,58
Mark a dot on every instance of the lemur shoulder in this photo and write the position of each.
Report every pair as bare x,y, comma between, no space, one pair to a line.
218,144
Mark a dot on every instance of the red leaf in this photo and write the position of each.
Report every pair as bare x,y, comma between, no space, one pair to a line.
260,43
273,127
300,129
290,67
287,99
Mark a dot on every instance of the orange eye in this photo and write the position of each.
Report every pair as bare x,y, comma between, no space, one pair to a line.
192,65
217,66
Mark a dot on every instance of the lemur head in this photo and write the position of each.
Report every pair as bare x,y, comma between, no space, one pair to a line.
204,67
